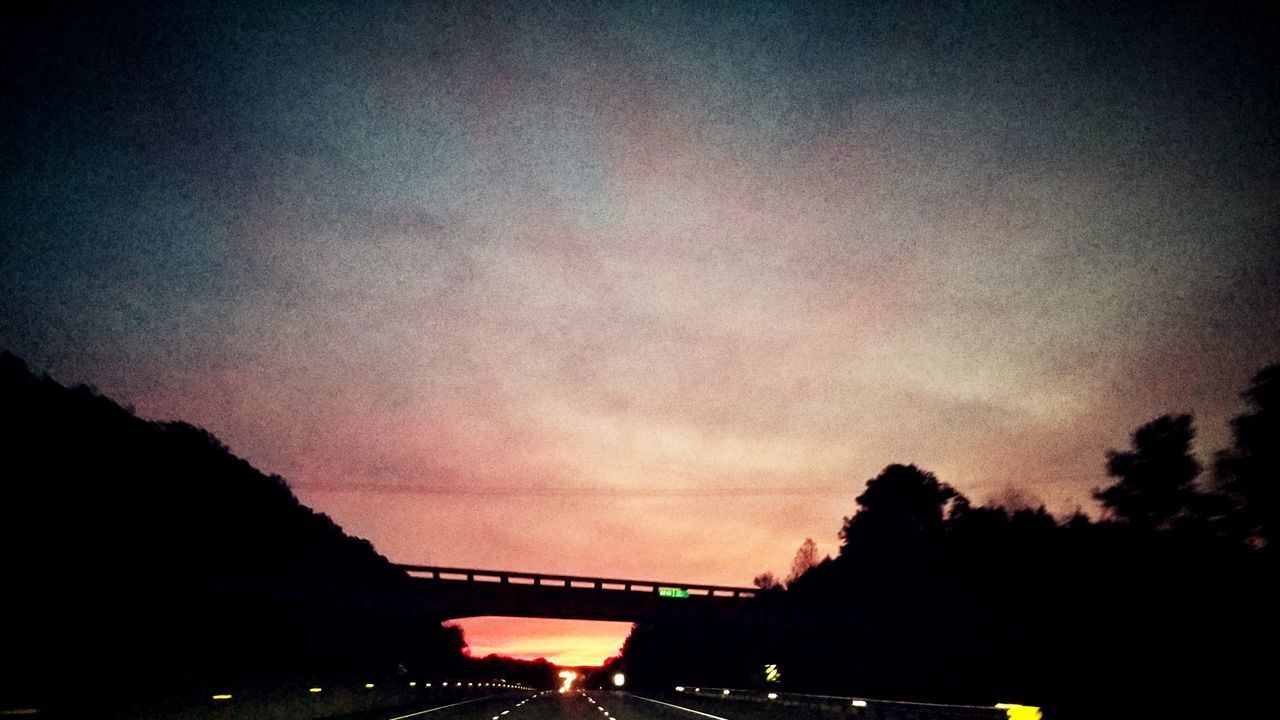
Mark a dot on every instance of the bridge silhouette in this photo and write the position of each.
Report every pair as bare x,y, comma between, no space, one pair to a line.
453,593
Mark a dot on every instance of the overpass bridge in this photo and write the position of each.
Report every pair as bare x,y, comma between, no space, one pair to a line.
453,593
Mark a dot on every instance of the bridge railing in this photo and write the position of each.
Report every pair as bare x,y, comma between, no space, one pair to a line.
454,574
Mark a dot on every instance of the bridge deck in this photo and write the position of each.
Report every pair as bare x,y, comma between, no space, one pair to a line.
504,577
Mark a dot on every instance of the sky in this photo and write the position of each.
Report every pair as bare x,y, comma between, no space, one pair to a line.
645,290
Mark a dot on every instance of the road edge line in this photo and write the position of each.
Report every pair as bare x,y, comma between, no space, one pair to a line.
678,707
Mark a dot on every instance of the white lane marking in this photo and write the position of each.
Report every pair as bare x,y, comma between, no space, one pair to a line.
442,707
678,707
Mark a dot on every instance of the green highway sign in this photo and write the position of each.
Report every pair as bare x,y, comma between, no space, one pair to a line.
673,592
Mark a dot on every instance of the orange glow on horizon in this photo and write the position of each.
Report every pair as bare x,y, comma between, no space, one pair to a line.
566,643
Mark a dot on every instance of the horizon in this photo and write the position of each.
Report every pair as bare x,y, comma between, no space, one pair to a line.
525,640
573,644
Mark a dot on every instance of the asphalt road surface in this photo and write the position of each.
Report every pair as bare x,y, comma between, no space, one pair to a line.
589,705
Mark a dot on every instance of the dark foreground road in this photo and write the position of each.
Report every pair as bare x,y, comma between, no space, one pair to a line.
496,701
578,705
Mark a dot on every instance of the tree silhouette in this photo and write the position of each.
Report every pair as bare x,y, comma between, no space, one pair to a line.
901,502
1250,470
806,558
766,581
1156,479
935,599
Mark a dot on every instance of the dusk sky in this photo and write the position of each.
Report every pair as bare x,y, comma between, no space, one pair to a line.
644,290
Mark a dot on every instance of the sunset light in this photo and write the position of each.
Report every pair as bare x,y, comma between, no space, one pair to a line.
567,643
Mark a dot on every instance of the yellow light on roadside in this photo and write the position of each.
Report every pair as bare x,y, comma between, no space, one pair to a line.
368,685
314,690
223,696
1020,712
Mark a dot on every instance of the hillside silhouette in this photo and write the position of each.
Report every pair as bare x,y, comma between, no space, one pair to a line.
145,560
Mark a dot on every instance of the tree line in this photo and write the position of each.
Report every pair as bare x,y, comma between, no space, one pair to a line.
1164,607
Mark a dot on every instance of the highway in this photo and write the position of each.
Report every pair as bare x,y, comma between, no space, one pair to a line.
620,705
516,703
586,705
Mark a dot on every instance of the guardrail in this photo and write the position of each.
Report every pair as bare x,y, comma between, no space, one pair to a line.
866,707
291,700
433,572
